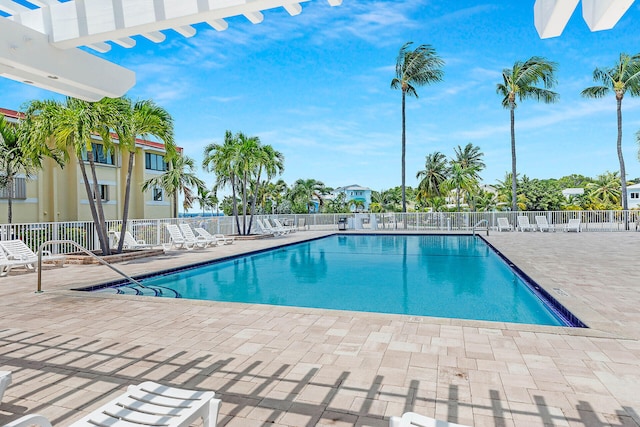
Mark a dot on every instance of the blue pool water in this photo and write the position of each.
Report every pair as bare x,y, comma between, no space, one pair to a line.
426,275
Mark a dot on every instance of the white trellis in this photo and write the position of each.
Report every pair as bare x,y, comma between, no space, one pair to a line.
39,45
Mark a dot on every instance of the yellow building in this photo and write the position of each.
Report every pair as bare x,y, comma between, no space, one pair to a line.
58,194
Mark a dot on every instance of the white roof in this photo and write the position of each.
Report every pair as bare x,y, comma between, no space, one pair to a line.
40,45
634,186
354,187
574,190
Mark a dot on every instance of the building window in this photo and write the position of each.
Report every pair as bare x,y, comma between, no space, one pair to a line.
104,192
158,195
155,162
19,189
635,195
100,155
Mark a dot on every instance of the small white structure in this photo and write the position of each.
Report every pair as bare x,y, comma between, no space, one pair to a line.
570,192
633,196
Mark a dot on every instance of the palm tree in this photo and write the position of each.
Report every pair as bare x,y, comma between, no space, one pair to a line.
240,163
271,162
16,157
141,119
432,177
623,77
418,67
605,192
461,178
179,179
305,190
358,205
520,82
221,159
505,194
72,124
207,199
470,158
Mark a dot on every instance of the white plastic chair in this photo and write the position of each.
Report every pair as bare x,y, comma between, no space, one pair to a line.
411,419
573,225
17,250
543,224
523,224
200,241
5,380
148,404
503,224
280,225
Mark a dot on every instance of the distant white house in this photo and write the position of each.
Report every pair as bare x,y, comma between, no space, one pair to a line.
633,196
355,193
570,192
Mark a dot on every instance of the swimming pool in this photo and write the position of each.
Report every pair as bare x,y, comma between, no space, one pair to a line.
424,275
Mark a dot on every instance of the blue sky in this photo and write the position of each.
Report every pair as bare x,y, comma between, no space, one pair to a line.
317,88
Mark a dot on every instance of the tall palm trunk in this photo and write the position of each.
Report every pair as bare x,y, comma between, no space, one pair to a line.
255,196
623,174
244,203
404,148
10,196
125,207
92,206
514,183
235,201
104,244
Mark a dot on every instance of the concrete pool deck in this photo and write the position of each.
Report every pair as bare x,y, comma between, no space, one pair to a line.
71,352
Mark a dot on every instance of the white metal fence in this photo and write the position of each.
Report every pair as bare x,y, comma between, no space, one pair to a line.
154,230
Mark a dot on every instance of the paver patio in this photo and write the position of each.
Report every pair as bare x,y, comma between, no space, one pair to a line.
71,352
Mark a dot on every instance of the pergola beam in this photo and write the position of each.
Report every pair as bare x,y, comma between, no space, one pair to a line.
27,56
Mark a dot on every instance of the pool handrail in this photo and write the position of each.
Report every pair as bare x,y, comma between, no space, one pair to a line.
84,250
477,226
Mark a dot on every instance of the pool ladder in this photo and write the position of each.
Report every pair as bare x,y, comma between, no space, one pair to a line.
86,251
477,226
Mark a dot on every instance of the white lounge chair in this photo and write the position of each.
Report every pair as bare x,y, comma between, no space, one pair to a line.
543,224
222,239
130,242
204,233
573,225
30,421
411,419
147,404
523,224
280,229
7,264
279,225
178,240
201,241
5,380
266,228
17,250
503,225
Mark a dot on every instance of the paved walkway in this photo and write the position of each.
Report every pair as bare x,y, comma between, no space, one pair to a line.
71,352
